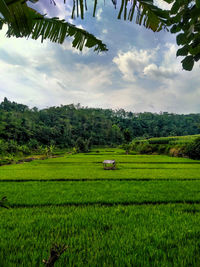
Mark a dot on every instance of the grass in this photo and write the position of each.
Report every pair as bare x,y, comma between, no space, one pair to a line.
112,218
102,192
165,235
172,139
90,167
88,172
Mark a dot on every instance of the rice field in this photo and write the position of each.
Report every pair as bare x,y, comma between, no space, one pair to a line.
173,140
144,213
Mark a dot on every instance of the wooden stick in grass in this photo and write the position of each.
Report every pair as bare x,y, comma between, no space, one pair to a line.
55,252
4,202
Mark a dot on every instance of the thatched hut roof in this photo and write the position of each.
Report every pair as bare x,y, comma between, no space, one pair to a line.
109,162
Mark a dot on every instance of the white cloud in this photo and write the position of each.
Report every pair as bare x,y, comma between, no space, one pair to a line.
135,79
169,58
44,80
156,81
162,4
133,62
64,85
158,73
104,31
156,64
98,15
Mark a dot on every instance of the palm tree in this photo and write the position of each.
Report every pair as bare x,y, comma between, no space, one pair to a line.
183,18
24,21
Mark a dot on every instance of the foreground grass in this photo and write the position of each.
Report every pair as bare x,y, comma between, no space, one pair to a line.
102,192
166,235
105,222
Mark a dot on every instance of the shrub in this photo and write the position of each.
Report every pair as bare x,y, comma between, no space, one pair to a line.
3,147
126,147
144,148
174,152
33,144
193,149
159,141
12,147
24,149
81,145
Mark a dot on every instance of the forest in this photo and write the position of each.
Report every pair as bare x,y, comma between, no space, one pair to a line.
23,128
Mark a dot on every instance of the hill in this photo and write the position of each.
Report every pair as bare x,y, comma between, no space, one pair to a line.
62,126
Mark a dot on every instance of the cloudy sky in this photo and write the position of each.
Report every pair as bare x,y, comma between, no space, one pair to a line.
140,72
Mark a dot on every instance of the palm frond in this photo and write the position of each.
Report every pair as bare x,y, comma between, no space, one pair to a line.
24,21
144,12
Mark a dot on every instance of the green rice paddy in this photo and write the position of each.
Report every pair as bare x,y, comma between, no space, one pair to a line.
144,213
89,166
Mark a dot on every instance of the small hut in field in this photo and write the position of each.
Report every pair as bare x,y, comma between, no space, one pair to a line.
109,164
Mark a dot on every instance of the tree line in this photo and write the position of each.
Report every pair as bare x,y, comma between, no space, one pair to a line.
67,125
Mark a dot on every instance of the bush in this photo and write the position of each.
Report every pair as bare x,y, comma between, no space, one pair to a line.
33,144
193,149
3,147
162,140
24,149
144,148
12,147
126,147
81,145
159,141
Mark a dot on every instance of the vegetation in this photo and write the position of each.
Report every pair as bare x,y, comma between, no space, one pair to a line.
4,202
55,252
106,219
144,213
101,192
80,167
158,235
182,146
193,149
182,18
24,21
24,131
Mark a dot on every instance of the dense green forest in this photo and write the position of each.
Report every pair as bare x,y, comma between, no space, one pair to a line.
66,125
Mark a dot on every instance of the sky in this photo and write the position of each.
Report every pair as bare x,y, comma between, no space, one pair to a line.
139,73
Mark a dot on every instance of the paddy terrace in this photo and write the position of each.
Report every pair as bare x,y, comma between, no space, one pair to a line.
144,213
